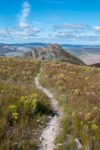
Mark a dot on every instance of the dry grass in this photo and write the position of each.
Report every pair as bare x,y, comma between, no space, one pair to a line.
77,89
23,108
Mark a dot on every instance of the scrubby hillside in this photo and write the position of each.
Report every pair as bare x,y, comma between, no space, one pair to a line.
23,108
95,65
53,52
77,89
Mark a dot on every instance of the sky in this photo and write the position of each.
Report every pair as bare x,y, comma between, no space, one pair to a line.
50,21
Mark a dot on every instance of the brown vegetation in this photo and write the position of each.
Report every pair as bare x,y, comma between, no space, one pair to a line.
77,89
23,108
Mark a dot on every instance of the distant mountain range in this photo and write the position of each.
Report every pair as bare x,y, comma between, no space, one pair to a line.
45,44
90,54
29,44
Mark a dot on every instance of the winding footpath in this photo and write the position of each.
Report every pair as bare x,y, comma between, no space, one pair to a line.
50,132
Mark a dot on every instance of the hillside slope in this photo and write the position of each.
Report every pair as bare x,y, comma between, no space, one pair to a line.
77,89
53,52
24,109
95,65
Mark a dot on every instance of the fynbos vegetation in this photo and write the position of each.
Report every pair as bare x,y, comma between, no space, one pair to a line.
23,107
77,89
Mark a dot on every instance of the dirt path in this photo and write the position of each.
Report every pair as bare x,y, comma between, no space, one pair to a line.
50,132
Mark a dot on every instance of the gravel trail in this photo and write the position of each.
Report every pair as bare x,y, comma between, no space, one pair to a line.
50,132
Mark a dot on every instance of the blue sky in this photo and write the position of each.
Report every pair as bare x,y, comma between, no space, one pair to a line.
51,21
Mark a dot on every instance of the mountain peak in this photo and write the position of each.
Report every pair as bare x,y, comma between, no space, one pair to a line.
53,52
54,45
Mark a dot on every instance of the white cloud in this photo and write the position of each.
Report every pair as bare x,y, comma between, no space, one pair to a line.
19,32
97,28
75,26
23,30
25,12
71,26
63,34
72,35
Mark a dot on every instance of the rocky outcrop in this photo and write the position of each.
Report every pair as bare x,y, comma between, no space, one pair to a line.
53,52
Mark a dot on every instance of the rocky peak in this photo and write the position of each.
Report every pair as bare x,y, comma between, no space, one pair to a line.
53,52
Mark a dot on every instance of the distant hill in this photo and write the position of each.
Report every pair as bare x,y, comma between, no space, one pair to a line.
18,49
95,65
30,44
53,52
11,51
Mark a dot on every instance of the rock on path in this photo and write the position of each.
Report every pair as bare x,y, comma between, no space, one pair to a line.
50,132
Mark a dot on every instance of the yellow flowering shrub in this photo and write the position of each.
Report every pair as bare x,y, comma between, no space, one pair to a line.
87,116
87,78
95,108
12,109
15,116
73,114
77,91
61,76
94,126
